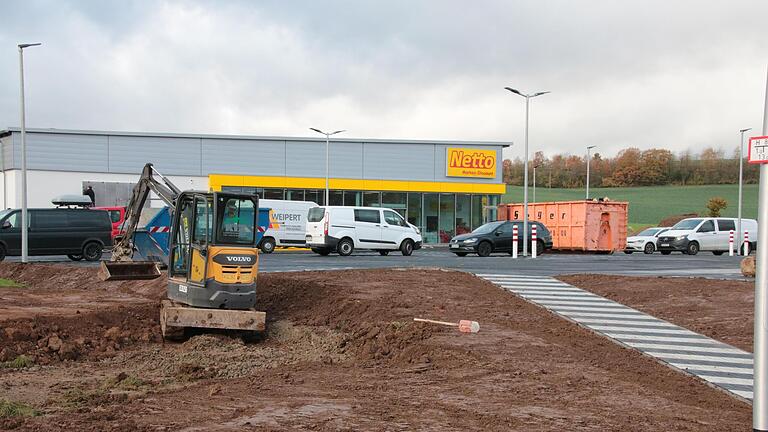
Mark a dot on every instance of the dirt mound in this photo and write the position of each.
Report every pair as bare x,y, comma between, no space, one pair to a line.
92,335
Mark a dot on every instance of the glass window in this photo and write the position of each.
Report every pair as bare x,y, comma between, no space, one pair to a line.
315,196
203,218
726,225
393,218
353,198
707,226
506,228
371,199
316,214
687,224
236,221
491,208
414,209
48,219
114,215
180,252
447,217
294,194
477,211
87,218
371,216
336,198
15,219
395,200
463,213
431,212
487,228
275,194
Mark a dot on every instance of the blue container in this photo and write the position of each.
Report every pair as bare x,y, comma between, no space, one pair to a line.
152,241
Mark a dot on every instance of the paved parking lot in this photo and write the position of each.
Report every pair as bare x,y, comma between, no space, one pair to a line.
551,264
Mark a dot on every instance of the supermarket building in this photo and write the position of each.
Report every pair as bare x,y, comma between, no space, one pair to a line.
443,187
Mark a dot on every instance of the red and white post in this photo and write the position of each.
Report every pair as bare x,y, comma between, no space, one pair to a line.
730,243
746,243
533,241
514,241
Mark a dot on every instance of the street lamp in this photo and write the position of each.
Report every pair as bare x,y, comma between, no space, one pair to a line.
534,180
24,217
588,149
739,234
327,143
525,166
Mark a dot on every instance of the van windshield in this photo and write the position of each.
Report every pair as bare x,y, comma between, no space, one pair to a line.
316,214
687,224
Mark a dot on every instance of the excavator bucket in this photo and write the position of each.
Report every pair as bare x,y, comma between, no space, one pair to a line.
128,270
175,315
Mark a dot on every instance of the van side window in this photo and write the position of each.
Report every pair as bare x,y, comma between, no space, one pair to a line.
82,219
707,226
371,216
393,218
48,219
726,225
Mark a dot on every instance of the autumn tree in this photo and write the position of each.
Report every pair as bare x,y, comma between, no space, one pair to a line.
716,205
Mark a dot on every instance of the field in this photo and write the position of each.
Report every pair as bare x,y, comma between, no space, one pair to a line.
648,205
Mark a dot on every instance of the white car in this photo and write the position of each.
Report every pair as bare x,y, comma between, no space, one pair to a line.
287,225
344,229
645,241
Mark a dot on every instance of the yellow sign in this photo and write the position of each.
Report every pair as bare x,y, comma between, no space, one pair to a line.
464,162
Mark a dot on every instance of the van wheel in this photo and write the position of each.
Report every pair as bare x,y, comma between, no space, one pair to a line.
345,247
693,248
383,252
92,251
406,248
484,249
649,248
267,245
75,257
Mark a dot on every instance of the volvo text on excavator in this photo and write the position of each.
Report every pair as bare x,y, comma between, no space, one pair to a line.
213,258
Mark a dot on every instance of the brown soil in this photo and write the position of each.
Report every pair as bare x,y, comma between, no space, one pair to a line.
342,353
720,309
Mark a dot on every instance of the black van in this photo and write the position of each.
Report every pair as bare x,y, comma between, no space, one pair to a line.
77,233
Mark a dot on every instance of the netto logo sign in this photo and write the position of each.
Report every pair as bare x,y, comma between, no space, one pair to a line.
463,162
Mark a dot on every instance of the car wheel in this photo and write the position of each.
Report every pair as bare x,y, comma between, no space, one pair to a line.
92,251
345,247
484,249
267,245
649,248
461,254
692,248
406,248
75,257
2,252
628,252
666,252
540,248
383,252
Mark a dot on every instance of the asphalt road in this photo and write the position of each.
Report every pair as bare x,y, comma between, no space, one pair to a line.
702,265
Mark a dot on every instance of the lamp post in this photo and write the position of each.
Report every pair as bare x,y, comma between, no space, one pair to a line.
24,217
739,233
588,149
525,164
327,145
534,180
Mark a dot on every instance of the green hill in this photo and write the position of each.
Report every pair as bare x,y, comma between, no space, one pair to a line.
648,205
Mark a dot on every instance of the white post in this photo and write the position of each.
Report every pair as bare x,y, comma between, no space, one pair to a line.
24,217
746,243
327,165
514,241
760,383
533,241
741,176
730,243
525,182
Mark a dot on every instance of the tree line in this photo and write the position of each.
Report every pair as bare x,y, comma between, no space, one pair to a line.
632,167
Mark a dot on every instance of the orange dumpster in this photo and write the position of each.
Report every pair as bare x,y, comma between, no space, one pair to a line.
589,226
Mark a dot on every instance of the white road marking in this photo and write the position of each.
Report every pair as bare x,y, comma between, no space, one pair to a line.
696,357
576,313
710,368
726,380
591,321
661,339
605,328
652,346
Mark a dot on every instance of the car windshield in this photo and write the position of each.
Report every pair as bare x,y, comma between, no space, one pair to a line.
486,228
687,224
648,232
4,213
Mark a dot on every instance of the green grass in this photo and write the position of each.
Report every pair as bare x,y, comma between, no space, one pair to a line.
16,409
19,362
9,283
648,205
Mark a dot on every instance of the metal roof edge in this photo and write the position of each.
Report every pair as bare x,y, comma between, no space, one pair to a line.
250,137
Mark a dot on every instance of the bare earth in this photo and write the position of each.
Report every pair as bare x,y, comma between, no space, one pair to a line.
342,353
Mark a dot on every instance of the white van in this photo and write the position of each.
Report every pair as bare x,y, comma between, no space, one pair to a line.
344,229
287,225
691,235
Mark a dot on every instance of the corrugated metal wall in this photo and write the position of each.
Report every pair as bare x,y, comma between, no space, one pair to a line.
201,156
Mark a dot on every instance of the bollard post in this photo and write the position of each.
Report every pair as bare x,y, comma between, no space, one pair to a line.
514,241
746,243
533,241
730,243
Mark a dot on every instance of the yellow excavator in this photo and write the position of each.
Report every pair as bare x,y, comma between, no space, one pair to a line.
212,261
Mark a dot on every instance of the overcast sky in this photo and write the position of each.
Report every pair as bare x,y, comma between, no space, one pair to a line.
670,74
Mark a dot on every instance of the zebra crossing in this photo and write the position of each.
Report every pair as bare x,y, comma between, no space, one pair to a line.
719,364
